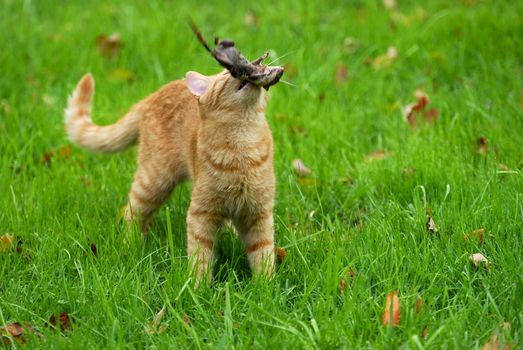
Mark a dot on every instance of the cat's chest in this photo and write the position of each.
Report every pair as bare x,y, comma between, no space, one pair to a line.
230,157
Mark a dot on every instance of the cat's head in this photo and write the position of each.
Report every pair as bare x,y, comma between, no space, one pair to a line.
224,92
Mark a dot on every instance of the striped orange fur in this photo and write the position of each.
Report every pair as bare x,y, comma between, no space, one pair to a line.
202,128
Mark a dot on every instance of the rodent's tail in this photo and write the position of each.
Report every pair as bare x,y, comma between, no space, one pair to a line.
83,132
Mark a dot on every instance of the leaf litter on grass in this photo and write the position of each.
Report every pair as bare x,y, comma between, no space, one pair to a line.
17,333
300,168
62,322
476,234
156,326
109,45
391,314
479,260
413,110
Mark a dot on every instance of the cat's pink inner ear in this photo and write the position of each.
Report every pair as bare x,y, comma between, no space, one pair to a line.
197,83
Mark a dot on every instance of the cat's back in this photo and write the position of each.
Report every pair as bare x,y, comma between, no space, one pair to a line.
171,102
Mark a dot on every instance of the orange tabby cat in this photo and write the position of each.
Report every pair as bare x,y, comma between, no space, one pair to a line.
210,129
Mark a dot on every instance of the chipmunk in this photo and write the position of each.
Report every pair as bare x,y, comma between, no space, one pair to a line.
211,129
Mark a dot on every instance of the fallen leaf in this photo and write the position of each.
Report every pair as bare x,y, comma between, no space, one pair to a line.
378,155
391,315
431,225
350,45
6,107
431,115
63,320
419,304
493,343
94,249
424,332
478,260
65,151
281,253
15,329
482,146
476,234
109,45
48,100
300,168
121,74
343,284
389,4
7,241
409,171
385,60
349,275
251,19
413,109
156,326
341,74
16,332
186,319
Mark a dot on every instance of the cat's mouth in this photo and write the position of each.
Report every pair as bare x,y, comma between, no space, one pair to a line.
265,78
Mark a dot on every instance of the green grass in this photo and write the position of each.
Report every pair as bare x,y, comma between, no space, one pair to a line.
349,214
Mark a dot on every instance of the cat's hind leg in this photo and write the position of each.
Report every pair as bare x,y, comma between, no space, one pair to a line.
153,183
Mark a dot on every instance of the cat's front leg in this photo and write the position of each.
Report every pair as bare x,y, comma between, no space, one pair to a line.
257,234
202,225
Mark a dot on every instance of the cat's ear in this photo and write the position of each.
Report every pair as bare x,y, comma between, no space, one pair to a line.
197,83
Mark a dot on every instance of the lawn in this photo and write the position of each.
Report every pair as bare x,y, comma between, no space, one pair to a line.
353,231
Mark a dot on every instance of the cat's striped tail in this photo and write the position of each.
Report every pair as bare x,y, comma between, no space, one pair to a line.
83,132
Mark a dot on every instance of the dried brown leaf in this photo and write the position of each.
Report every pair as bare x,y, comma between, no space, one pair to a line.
15,329
156,326
431,225
431,115
109,45
281,253
419,304
121,74
7,241
65,151
482,146
300,168
48,100
349,276
341,74
493,343
391,315
186,319
385,60
389,4
479,260
16,332
343,284
408,171
479,234
412,110
424,332
94,249
350,45
63,321
251,19
5,106
378,155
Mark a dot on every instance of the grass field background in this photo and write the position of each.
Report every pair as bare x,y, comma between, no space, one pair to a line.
353,213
